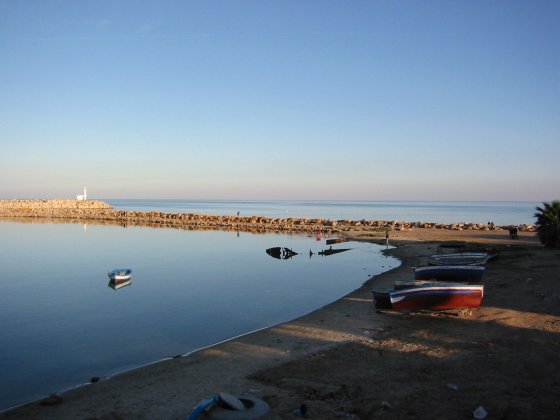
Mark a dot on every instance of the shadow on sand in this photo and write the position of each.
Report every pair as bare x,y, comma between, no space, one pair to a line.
440,365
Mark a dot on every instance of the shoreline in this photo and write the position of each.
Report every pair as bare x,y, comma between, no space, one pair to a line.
80,391
279,363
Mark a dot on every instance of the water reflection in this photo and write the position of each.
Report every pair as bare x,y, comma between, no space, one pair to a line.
331,251
281,253
191,289
117,284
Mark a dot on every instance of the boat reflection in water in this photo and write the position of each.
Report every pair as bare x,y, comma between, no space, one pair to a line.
331,251
281,253
286,253
117,284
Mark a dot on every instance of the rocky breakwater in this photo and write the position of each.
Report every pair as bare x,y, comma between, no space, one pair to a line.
100,212
26,206
50,208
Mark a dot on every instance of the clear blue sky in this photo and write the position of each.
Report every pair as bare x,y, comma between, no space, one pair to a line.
366,100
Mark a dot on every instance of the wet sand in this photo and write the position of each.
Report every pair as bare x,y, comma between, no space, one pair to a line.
348,360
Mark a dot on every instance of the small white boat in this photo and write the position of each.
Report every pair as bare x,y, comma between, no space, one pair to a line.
120,274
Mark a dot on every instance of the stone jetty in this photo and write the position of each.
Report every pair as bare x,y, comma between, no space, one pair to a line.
94,211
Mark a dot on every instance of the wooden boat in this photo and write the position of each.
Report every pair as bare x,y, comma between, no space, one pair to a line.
117,284
459,258
437,297
429,295
450,272
120,274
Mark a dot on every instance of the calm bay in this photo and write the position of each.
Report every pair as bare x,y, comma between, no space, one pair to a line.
62,324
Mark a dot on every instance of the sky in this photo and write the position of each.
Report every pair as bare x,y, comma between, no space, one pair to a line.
291,99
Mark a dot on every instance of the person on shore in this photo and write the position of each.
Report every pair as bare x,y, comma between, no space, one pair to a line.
513,232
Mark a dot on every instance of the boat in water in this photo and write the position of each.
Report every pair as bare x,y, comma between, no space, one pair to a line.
468,273
120,274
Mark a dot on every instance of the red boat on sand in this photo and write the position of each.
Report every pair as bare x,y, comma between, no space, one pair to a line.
437,297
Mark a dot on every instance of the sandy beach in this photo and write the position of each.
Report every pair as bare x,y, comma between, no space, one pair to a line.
347,360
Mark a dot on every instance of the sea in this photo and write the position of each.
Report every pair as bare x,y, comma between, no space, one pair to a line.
501,213
64,322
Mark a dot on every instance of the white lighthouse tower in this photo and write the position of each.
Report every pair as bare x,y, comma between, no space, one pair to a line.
82,197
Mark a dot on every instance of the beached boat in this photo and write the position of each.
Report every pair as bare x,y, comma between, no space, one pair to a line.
410,284
434,295
459,258
120,274
437,298
450,272
117,284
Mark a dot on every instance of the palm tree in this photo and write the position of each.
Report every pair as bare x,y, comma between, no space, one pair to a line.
548,223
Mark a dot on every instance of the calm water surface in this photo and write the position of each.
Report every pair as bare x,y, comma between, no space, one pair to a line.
499,212
62,324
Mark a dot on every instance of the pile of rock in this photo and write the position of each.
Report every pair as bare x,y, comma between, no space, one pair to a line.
16,205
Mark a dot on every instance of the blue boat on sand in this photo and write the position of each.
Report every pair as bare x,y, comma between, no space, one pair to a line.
463,273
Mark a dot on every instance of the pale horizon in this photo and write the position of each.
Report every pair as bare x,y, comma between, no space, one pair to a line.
244,199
